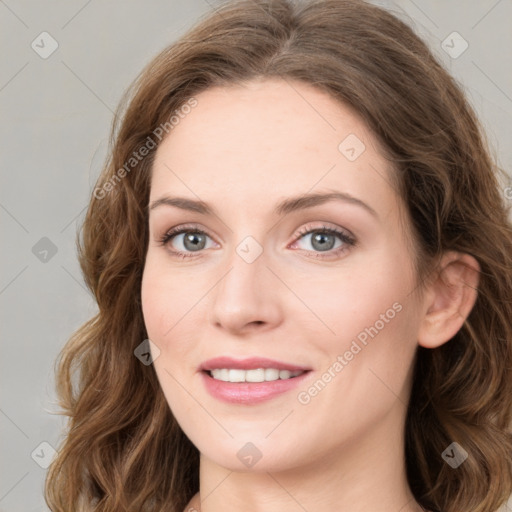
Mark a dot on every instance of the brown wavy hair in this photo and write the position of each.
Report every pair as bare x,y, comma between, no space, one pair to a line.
123,449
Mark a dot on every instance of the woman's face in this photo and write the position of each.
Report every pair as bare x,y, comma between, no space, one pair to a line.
266,281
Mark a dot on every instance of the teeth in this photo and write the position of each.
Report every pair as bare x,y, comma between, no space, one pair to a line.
257,375
271,374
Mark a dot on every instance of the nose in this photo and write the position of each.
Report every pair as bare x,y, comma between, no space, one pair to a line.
247,296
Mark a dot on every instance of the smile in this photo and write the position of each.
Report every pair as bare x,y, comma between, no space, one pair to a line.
253,375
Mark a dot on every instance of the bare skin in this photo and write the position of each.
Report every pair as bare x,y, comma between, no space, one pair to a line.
244,149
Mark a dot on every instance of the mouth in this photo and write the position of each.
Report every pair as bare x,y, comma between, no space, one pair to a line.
252,375
253,369
250,381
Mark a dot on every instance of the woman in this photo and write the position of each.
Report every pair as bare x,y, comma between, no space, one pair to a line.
342,340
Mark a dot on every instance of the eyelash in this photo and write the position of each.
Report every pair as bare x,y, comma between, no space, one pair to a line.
347,239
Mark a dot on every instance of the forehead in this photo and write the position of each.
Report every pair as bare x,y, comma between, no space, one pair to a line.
266,139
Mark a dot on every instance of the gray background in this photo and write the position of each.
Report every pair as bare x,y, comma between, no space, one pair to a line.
56,114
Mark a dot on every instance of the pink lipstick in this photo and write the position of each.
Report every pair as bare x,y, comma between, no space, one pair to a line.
250,381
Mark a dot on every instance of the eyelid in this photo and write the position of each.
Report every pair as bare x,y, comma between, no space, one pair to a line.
180,228
325,226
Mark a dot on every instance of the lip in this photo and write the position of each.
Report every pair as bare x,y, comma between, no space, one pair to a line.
250,363
249,393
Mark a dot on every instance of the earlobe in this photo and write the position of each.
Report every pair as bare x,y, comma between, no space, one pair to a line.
449,299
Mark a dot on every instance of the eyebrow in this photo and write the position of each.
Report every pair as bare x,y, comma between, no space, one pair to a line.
284,207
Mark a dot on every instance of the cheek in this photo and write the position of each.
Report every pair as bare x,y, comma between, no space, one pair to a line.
376,336
171,306
151,295
162,308
345,302
370,319
159,298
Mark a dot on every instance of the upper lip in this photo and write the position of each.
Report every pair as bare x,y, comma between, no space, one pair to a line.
250,363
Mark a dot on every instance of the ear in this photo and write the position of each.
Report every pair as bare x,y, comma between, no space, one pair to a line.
449,298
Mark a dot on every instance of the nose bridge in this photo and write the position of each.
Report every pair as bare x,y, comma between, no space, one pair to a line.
244,294
246,265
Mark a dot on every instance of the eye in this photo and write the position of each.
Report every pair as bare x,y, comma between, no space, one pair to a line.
190,238
323,240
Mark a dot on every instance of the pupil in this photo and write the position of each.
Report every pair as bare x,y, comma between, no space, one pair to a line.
320,238
195,240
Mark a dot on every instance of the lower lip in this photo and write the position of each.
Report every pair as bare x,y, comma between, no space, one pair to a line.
249,393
